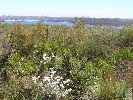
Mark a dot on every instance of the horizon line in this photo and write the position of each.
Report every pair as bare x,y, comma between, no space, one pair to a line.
65,16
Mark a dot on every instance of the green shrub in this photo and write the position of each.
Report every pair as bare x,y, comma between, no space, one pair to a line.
22,65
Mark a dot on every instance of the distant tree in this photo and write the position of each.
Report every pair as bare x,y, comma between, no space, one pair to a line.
79,22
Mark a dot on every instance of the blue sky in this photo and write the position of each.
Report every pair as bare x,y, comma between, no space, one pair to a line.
72,8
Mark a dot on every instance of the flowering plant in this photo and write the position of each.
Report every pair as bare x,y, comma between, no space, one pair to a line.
52,85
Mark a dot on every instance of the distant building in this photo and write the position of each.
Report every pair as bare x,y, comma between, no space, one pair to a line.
2,21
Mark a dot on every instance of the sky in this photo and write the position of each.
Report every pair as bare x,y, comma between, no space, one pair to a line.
68,8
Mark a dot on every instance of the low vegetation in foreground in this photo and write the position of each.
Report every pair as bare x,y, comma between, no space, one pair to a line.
43,62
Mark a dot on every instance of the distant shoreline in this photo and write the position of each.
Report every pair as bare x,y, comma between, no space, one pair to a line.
53,23
90,21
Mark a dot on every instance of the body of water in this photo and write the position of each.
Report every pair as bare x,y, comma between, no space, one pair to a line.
55,23
36,21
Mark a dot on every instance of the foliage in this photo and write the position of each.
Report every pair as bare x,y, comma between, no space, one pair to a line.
22,65
97,62
79,22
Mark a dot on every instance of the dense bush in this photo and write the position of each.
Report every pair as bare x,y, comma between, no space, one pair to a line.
43,62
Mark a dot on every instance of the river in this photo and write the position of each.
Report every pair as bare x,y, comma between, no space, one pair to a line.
55,23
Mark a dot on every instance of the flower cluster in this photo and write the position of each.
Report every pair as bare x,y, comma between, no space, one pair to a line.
46,58
52,84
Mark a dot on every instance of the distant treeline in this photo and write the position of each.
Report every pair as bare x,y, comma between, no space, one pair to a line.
109,21
91,21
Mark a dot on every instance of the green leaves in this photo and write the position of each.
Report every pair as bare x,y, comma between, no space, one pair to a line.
22,65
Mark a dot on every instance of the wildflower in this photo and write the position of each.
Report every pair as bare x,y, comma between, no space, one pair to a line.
55,82
62,86
69,90
22,58
52,76
53,55
58,80
51,69
53,72
63,95
58,77
68,80
46,79
45,57
34,79
41,61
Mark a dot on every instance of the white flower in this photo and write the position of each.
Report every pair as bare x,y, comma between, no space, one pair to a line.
22,58
61,77
51,69
52,76
44,56
68,80
41,61
69,90
61,85
63,95
53,72
46,79
58,80
58,77
55,82
34,79
53,55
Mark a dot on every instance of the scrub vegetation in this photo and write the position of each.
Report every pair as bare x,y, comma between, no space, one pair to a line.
43,62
